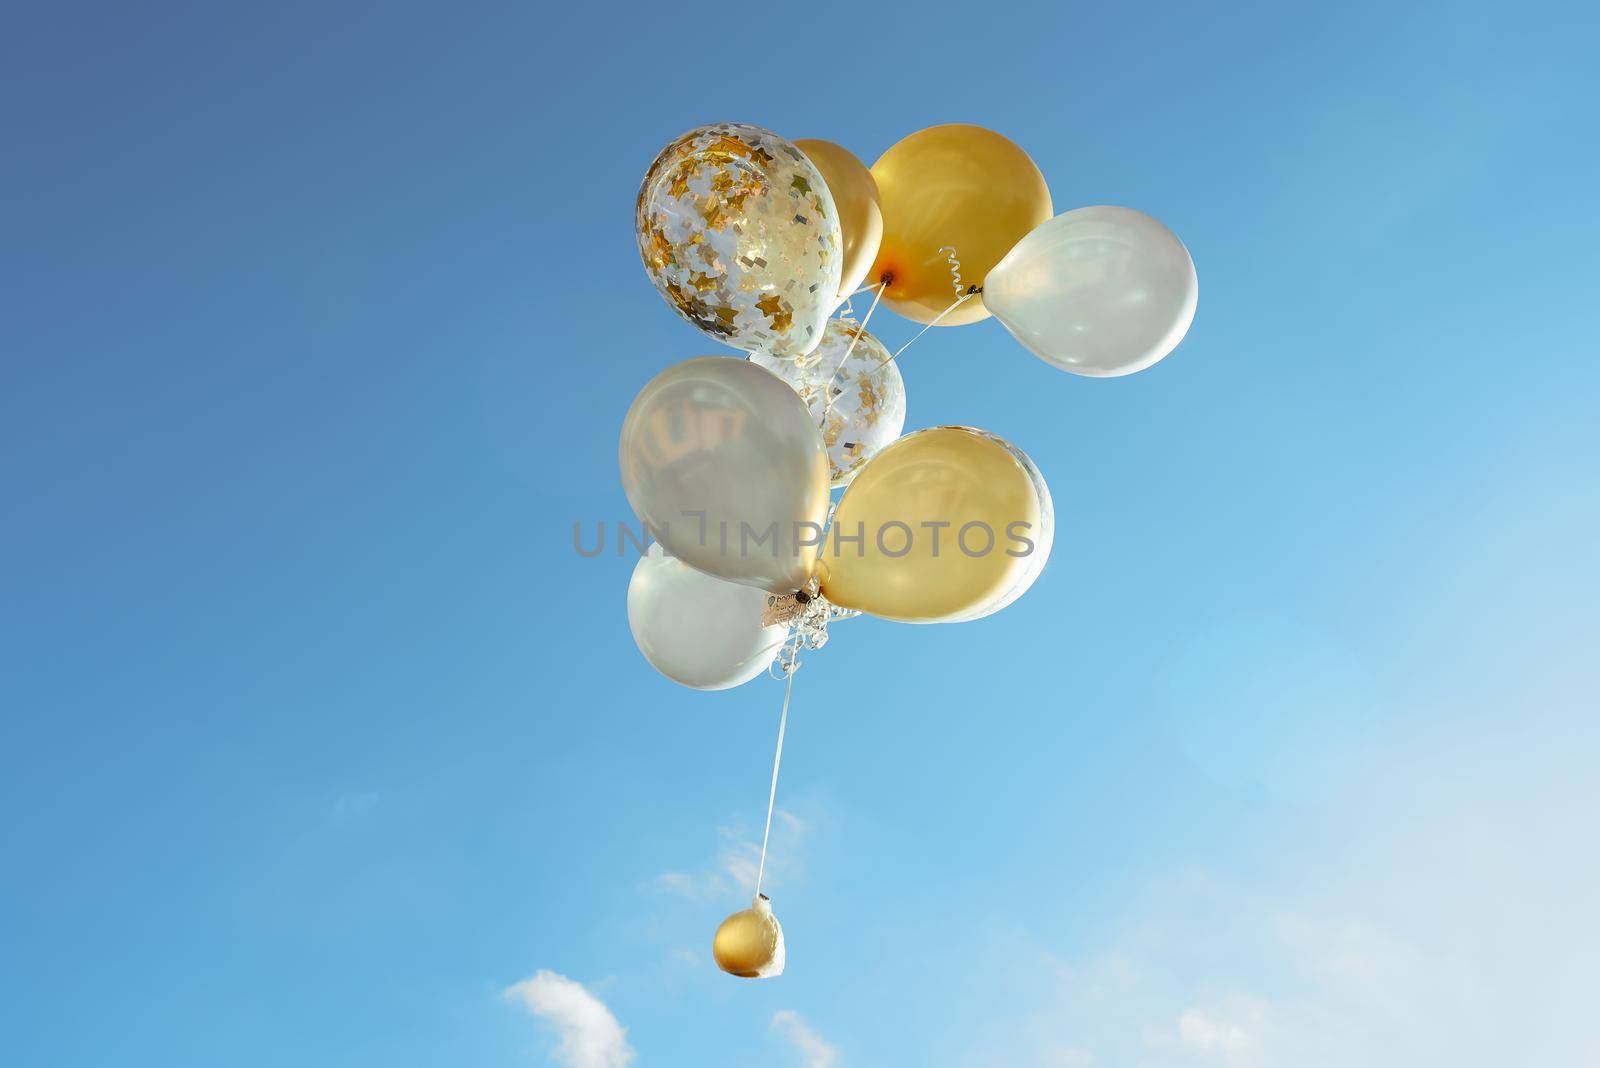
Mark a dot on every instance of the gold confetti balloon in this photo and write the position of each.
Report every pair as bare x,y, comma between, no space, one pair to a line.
739,233
856,395
749,944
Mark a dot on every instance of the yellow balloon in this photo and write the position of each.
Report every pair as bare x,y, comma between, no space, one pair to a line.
855,196
960,187
749,943
943,525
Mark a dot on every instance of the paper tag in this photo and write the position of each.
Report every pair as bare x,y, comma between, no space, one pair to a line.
781,610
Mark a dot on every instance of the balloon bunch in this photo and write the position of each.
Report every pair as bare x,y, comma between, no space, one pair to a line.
729,463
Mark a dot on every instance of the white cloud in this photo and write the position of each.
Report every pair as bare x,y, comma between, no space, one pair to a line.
1201,1031
1450,926
699,886
814,1052
733,873
590,1035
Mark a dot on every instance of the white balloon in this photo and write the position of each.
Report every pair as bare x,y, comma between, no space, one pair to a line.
698,630
1100,291
722,461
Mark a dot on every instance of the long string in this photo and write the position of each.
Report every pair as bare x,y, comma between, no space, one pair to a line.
876,297
772,794
936,320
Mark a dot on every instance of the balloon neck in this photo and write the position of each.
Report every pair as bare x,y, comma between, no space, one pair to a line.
762,904
802,597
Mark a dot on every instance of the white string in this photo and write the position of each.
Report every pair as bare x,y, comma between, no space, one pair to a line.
846,310
772,794
860,329
955,266
936,319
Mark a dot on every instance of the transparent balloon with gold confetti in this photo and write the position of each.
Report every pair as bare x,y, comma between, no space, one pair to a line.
854,391
739,233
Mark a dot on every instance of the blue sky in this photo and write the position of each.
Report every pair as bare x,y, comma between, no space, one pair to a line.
321,746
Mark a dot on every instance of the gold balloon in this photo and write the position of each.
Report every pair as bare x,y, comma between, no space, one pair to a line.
960,187
855,198
749,944
950,524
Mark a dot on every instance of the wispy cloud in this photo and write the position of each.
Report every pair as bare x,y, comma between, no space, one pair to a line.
1456,931
590,1036
732,874
813,1051
1201,1031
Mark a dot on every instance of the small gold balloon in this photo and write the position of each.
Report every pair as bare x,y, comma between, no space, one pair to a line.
855,197
749,944
955,187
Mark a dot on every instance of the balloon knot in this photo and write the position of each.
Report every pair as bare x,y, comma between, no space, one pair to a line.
807,614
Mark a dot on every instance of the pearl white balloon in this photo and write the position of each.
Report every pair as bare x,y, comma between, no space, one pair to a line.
698,630
1100,291
724,464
